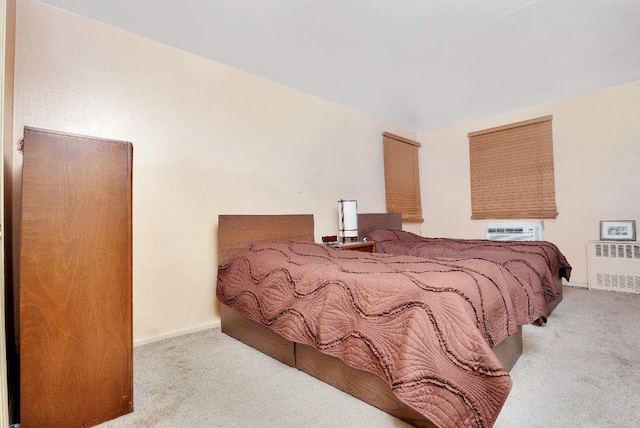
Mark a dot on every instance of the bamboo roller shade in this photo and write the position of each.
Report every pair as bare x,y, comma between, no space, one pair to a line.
402,178
512,172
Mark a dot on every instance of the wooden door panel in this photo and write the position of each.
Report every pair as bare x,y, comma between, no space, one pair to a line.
75,277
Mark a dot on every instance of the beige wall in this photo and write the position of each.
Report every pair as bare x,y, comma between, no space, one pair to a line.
596,141
208,140
211,140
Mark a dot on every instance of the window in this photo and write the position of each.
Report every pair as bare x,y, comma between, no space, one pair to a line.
402,178
512,171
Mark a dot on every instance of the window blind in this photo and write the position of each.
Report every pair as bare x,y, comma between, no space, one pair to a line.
512,171
402,178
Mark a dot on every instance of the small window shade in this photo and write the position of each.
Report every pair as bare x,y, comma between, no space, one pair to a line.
402,178
512,173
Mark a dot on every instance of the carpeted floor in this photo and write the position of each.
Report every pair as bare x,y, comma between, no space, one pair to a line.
580,370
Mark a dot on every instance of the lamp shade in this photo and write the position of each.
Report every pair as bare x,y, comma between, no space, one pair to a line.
348,219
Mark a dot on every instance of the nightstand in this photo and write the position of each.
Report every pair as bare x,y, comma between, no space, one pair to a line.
364,246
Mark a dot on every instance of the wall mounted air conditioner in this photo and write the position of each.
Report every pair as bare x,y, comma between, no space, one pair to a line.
514,232
614,266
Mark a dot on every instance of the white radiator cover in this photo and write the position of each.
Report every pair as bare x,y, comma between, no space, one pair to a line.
514,232
614,266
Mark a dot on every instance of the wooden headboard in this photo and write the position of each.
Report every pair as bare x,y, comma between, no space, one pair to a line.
238,231
370,222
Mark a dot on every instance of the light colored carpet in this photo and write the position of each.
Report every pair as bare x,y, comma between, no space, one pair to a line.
580,370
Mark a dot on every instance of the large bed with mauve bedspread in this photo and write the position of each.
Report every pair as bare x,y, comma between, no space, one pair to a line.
427,340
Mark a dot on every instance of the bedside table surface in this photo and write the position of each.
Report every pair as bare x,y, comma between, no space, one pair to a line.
366,246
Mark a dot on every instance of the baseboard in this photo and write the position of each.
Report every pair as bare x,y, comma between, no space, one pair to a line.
176,333
575,284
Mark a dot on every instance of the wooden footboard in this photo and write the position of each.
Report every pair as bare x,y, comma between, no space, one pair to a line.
358,383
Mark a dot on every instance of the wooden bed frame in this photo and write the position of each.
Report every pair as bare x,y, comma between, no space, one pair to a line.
367,223
238,231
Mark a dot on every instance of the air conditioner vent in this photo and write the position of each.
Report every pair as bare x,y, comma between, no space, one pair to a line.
514,232
614,266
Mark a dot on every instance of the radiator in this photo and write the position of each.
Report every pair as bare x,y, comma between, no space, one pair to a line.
614,266
514,232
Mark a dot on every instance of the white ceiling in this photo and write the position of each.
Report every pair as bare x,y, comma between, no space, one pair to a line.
421,64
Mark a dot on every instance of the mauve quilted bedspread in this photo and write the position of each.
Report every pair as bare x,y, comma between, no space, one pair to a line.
533,263
426,326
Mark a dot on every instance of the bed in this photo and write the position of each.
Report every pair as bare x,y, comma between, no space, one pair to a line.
291,237
538,265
